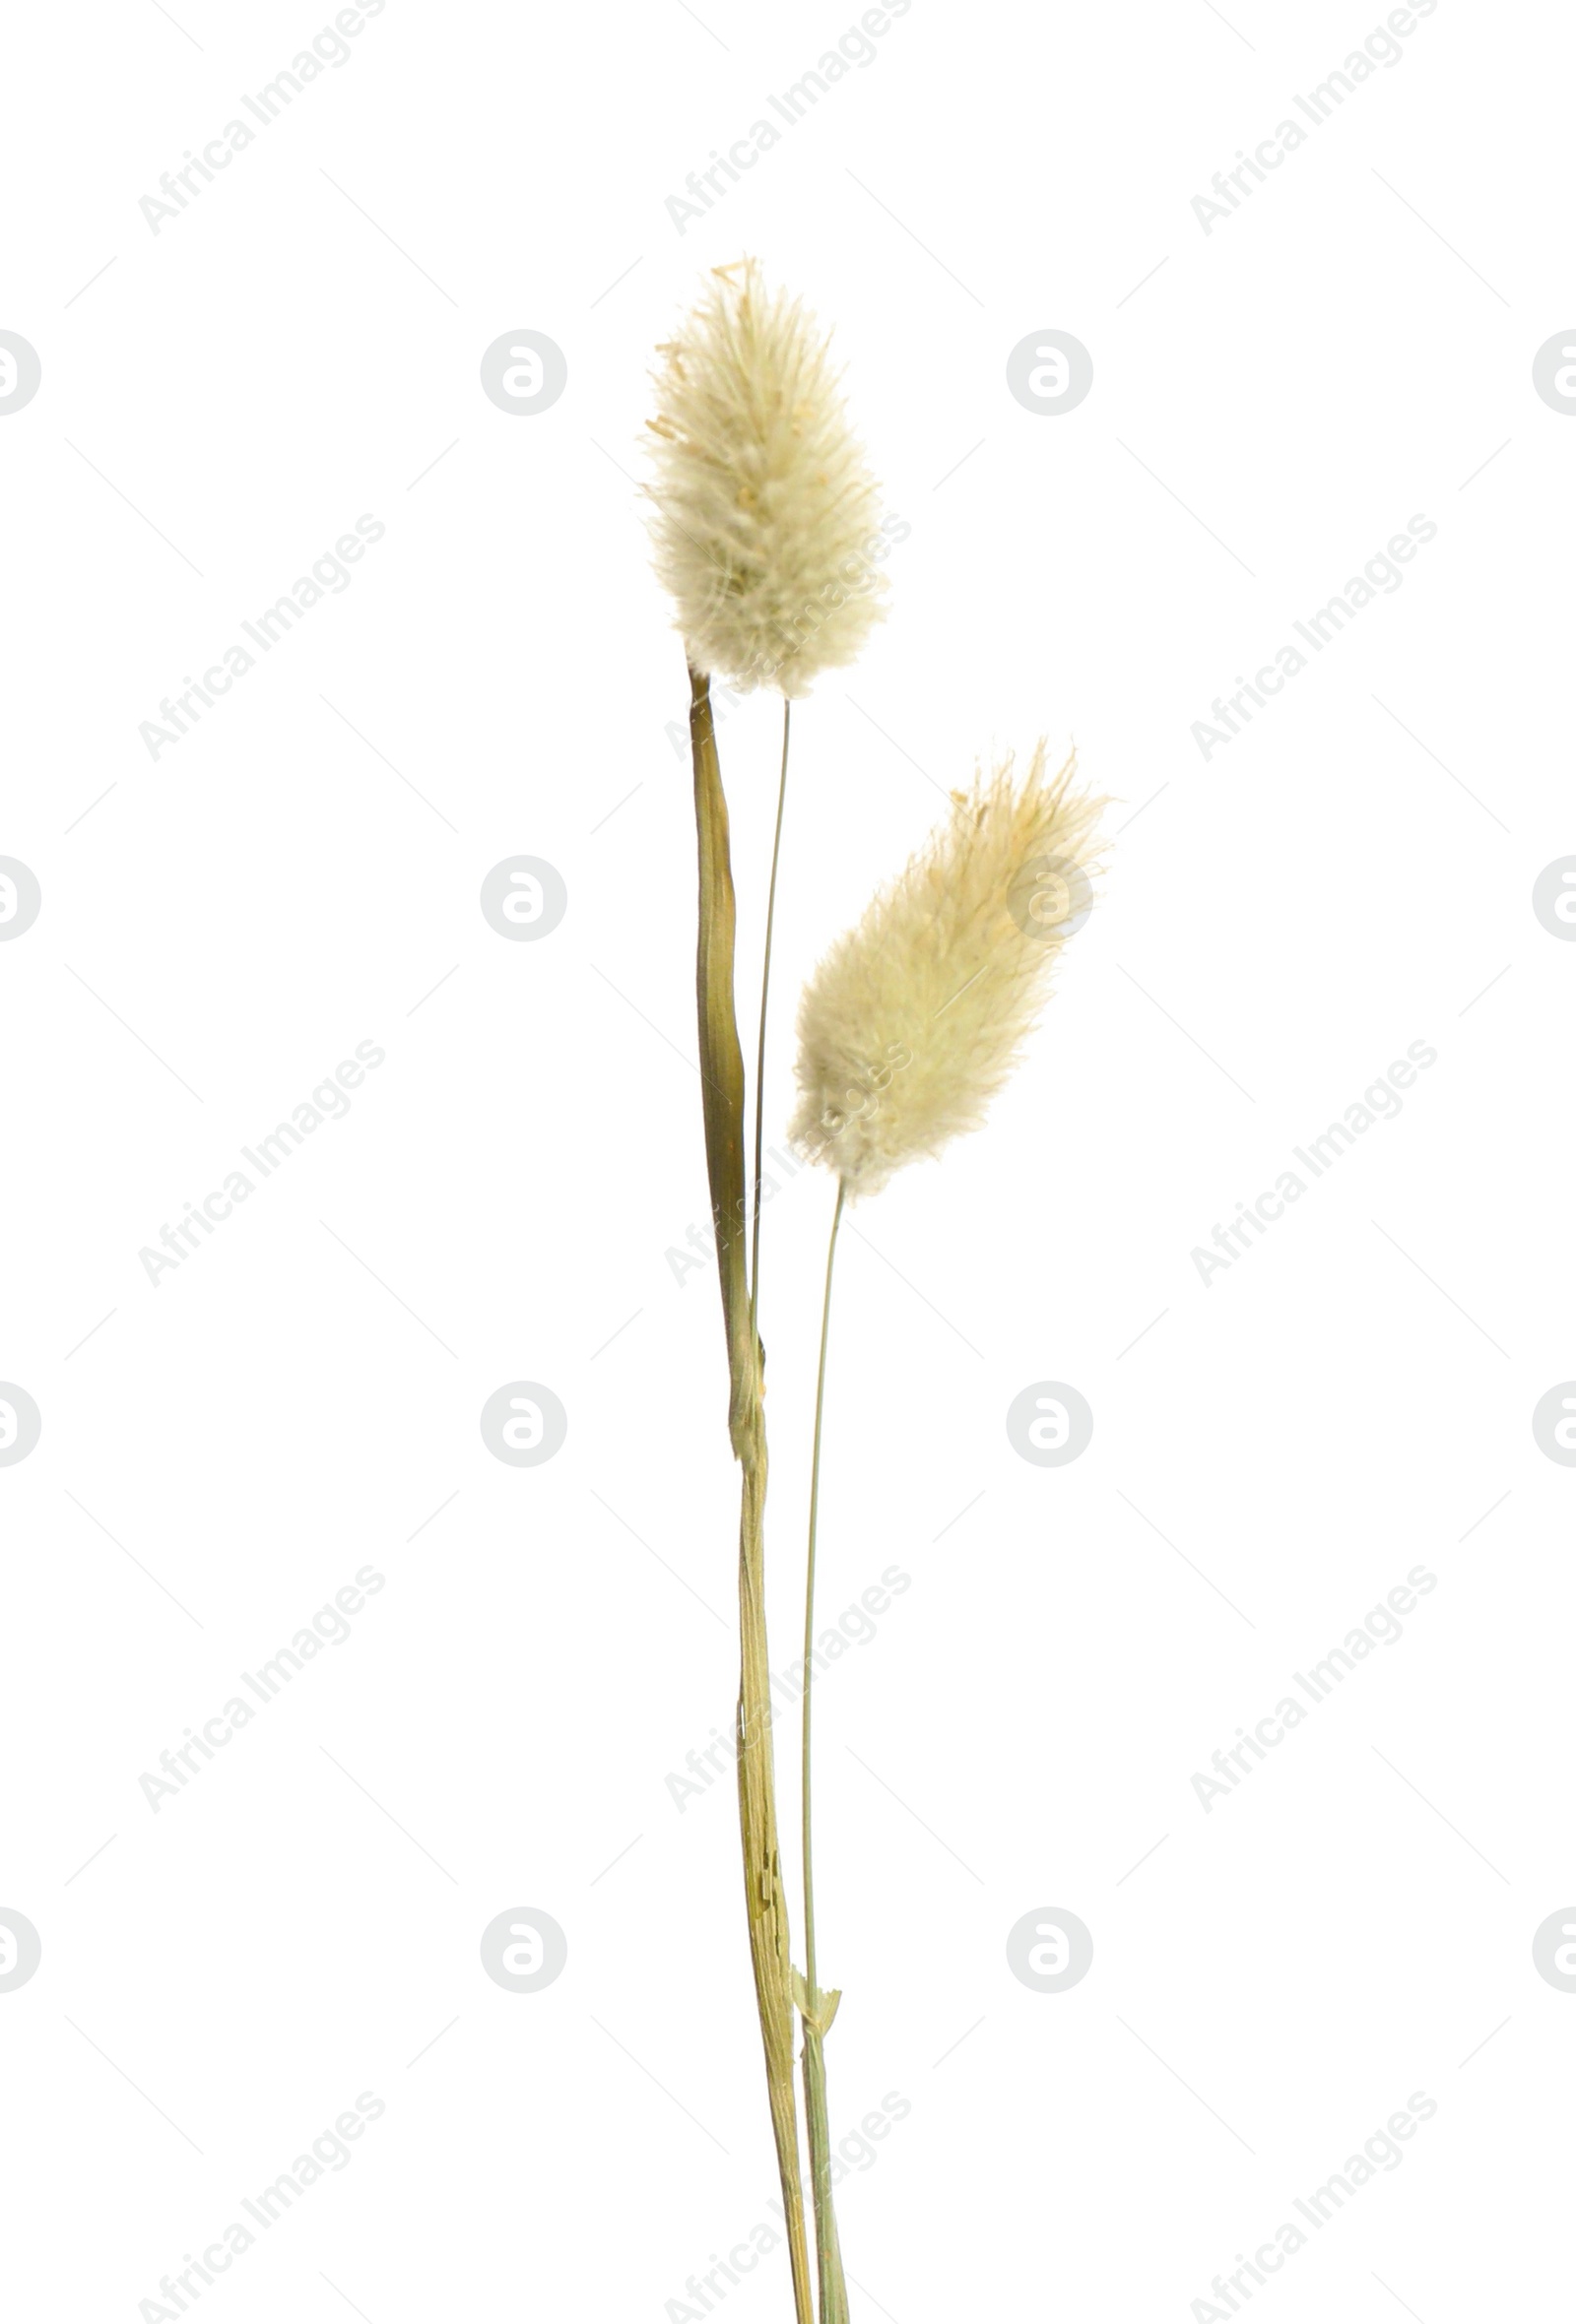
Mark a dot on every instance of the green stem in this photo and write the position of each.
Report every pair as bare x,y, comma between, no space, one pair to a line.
814,2008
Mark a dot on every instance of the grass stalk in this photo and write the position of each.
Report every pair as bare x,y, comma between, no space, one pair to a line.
722,1084
818,2009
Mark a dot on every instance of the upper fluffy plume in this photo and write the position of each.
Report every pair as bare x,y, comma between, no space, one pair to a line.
766,511
915,1018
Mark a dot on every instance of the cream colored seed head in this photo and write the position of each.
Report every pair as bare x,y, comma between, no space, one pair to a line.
916,1017
766,511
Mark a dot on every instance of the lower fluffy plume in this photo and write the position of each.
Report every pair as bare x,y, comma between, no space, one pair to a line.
916,1017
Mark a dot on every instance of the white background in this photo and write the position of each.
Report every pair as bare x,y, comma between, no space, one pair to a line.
1352,874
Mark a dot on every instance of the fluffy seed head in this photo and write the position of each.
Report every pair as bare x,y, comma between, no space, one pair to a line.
766,511
915,1018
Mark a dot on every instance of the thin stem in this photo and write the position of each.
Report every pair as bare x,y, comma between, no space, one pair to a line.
818,2009
761,1050
809,1599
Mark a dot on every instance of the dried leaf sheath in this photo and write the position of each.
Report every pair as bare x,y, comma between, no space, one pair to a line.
722,1065
722,1079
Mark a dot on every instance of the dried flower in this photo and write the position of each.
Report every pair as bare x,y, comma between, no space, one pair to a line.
915,1018
766,513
